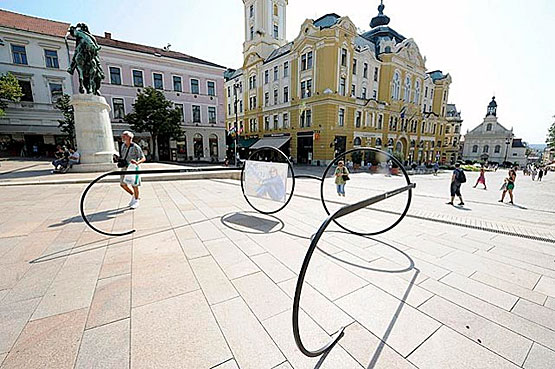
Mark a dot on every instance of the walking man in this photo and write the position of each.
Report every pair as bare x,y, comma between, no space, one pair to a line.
540,175
131,153
457,179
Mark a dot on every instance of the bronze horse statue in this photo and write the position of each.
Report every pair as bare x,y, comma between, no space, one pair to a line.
86,60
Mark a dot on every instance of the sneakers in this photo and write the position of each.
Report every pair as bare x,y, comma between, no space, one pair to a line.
132,201
135,204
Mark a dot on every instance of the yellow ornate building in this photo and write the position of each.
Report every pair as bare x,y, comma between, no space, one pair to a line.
332,89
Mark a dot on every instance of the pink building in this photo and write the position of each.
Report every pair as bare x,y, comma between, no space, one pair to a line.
194,85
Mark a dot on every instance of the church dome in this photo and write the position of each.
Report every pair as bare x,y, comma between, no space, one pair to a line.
492,107
381,19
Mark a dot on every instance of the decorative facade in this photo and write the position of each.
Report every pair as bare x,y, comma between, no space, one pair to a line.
492,142
332,89
452,141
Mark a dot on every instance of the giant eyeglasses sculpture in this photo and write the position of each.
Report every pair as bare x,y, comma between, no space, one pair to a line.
263,181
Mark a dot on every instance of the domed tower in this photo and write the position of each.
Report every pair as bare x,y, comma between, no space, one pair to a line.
492,108
264,26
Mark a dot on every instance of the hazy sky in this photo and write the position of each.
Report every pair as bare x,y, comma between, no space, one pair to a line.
506,47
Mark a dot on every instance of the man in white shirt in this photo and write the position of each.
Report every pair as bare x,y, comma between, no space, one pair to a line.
74,157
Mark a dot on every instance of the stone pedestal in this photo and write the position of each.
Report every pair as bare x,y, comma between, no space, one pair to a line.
93,133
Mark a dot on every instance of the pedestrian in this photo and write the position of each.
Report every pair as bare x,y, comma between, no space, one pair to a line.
436,168
130,153
457,179
482,179
341,177
509,186
75,157
540,174
534,173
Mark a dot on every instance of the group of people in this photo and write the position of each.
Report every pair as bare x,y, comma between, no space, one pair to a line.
65,158
533,171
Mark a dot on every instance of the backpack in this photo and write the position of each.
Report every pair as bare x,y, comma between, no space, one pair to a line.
460,176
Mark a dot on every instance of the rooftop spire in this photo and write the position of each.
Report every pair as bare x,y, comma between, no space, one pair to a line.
381,19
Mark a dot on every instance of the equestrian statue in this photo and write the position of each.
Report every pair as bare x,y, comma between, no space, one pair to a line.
85,59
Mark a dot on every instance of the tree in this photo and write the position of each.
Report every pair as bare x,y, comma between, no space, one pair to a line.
551,136
155,114
10,90
66,125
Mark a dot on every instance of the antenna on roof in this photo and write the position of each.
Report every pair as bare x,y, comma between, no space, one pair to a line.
167,47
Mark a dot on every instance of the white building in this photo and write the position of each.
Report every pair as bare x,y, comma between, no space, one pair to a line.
493,143
33,49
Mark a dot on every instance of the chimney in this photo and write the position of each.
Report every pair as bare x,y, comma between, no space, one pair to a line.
108,35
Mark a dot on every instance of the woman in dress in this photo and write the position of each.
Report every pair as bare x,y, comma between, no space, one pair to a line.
482,179
509,185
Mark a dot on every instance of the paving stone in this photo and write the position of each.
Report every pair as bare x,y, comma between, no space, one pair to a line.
249,247
448,349
536,313
111,301
492,295
54,340
160,269
398,324
232,260
13,318
2,357
285,365
105,347
321,310
206,231
498,339
546,285
509,287
550,303
525,255
176,330
230,364
117,260
73,287
251,346
263,296
371,352
272,267
279,328
540,358
214,283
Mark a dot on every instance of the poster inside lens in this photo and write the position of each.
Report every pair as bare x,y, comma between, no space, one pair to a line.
266,180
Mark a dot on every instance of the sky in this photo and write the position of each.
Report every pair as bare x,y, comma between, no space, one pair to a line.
501,47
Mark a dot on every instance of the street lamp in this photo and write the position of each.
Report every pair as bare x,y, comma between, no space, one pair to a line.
507,142
235,88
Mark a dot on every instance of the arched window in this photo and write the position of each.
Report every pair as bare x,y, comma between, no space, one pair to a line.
497,149
486,148
213,144
417,92
198,146
357,141
275,10
378,142
406,95
475,148
396,86
488,127
399,146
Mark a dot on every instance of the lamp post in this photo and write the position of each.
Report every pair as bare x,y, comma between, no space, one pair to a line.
235,88
507,142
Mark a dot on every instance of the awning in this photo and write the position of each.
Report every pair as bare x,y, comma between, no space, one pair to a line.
244,142
275,142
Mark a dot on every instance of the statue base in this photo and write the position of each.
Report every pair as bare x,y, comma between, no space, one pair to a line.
93,134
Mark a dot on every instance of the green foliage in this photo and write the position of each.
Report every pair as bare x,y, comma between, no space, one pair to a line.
155,114
9,90
66,125
551,136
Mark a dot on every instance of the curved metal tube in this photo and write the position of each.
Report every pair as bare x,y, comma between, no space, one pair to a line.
345,210
122,173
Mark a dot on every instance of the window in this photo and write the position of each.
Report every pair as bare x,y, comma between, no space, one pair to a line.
138,80
276,121
56,91
417,92
488,127
286,69
353,90
306,118
195,87
497,149
229,109
266,77
119,108
158,81
266,98
252,33
251,11
286,94
365,70
486,148
266,123
115,76
354,66
212,114
375,94
342,86
177,85
275,10
179,107
475,148
380,122
376,70
241,106
364,92
196,114
407,90
51,57
252,102
276,31
275,96
276,73
285,120
358,119
253,125
341,117
306,61
344,57
396,86
212,88
426,92
253,81
306,88
19,55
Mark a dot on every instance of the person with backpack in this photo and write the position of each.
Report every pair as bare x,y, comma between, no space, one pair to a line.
341,177
130,153
509,185
457,180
